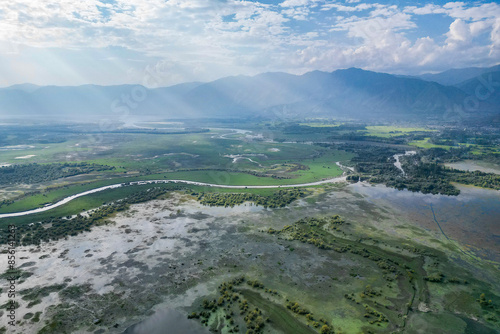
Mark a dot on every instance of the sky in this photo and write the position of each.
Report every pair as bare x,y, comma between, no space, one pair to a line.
165,42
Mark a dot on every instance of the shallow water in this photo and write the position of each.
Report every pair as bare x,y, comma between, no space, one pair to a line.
470,165
179,232
167,321
472,218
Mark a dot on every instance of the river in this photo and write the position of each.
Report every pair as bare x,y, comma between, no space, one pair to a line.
70,198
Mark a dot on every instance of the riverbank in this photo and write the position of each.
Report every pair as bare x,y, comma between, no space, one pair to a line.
114,186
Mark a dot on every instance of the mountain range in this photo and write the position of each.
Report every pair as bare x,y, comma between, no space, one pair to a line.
349,93
458,76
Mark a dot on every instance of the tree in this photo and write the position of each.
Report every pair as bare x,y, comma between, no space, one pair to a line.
482,300
325,330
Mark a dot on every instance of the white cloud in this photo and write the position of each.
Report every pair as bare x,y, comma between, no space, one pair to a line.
294,3
474,13
426,10
459,31
343,8
381,42
298,3
223,37
380,21
495,38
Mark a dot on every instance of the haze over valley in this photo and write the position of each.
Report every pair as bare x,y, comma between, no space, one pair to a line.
350,93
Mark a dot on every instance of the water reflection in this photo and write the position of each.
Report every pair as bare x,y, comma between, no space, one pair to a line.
167,322
471,217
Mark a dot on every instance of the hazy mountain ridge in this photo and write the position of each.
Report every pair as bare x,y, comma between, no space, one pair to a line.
485,88
352,93
457,76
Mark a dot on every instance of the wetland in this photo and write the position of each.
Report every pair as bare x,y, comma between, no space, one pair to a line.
249,231
173,253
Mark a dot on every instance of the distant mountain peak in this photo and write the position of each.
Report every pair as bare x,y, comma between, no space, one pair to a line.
351,92
456,76
25,87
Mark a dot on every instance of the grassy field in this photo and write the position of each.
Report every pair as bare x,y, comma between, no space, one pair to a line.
322,167
318,170
424,143
356,276
475,149
39,152
97,199
149,157
392,131
321,125
146,151
280,317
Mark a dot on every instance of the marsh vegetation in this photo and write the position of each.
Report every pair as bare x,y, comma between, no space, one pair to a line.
334,258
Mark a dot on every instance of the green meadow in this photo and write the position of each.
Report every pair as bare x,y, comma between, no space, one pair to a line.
475,148
206,157
392,131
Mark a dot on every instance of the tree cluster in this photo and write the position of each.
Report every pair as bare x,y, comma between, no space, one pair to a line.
61,227
36,173
279,199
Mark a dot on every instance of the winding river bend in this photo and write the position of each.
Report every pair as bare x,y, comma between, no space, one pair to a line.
85,193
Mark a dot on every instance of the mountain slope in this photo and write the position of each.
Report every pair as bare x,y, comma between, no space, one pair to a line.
357,93
484,88
456,76
352,93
